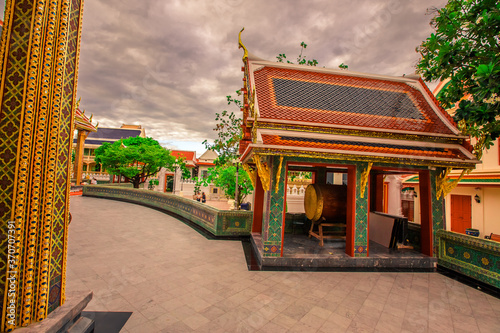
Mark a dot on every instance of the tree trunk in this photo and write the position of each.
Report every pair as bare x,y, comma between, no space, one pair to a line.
136,182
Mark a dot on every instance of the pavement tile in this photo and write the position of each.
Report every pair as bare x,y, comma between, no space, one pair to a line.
284,320
357,327
195,321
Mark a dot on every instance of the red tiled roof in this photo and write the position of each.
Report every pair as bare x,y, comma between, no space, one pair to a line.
205,163
367,147
188,155
329,98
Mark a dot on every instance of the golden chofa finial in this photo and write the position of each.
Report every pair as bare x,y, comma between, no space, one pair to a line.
241,46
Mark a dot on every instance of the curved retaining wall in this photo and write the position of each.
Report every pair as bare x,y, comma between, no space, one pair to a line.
474,257
217,222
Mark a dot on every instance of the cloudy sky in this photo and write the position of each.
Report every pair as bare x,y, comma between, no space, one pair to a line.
168,64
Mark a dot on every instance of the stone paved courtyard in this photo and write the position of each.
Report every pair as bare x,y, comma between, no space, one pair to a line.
173,279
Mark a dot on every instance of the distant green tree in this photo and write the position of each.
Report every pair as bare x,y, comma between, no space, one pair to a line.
135,158
465,48
224,176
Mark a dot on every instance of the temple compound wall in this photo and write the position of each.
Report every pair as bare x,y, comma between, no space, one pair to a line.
216,222
39,52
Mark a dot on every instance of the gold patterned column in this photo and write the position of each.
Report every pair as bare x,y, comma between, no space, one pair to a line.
39,52
80,142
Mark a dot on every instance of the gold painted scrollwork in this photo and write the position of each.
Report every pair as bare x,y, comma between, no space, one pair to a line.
278,175
250,172
364,179
443,183
254,128
251,103
263,171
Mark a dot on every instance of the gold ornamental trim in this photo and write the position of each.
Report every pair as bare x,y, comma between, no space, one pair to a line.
250,172
350,132
278,175
354,158
263,171
241,46
364,179
444,184
38,222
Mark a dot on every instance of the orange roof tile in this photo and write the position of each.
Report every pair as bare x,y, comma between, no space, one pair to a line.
188,155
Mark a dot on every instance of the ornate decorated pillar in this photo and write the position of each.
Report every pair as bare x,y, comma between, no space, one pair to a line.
361,210
275,205
39,52
80,142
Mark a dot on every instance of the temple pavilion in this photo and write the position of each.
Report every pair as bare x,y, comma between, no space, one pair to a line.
357,125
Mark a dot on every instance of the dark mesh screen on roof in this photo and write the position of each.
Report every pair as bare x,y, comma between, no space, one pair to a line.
332,97
114,133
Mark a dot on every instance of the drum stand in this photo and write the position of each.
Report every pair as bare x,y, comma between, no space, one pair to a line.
327,234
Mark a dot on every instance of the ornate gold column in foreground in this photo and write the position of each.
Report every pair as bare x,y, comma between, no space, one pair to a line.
39,53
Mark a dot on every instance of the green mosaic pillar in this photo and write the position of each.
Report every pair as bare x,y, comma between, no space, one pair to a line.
276,197
39,52
437,211
361,228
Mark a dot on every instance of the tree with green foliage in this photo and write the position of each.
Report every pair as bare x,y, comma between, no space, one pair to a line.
229,134
135,158
224,176
465,48
227,144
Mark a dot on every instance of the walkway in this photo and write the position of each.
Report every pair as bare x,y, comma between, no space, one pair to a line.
140,260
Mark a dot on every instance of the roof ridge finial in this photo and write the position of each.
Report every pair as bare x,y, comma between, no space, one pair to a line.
241,46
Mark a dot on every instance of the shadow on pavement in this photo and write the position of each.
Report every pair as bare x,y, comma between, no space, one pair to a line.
107,322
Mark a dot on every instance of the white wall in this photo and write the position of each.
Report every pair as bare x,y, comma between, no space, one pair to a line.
491,214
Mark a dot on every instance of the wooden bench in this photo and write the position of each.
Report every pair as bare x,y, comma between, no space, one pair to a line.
493,237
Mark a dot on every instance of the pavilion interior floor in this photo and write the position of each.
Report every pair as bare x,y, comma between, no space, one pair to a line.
303,253
301,246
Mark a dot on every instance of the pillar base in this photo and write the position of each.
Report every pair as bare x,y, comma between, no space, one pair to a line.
66,318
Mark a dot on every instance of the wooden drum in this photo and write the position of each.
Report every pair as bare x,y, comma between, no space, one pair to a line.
326,202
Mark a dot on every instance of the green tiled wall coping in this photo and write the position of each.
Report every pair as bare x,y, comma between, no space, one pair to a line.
217,222
472,256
